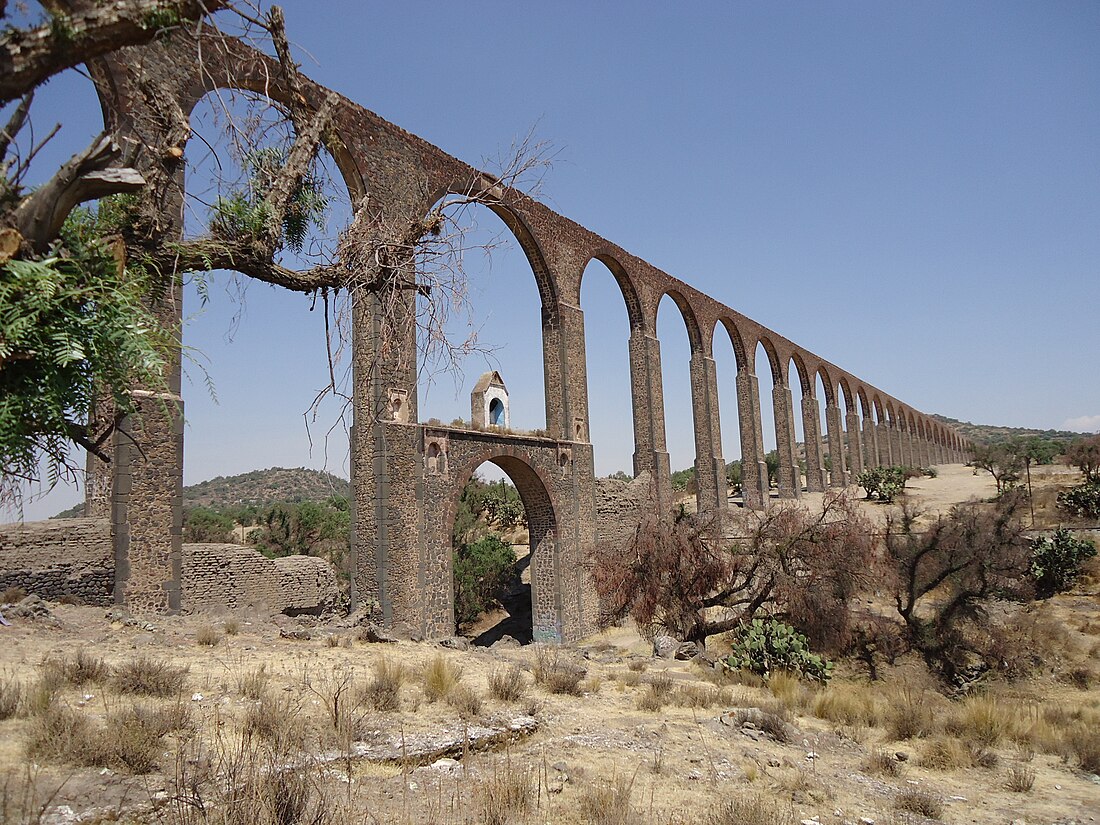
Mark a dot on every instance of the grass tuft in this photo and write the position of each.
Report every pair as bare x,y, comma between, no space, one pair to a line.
1021,778
555,672
439,678
207,636
608,802
383,690
145,676
919,802
506,684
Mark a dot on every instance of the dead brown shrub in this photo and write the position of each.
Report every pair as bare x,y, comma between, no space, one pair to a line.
506,684
919,802
608,802
556,672
146,676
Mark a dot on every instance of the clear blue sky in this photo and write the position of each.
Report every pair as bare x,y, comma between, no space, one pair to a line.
910,190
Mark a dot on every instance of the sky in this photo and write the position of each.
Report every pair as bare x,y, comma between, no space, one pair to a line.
911,191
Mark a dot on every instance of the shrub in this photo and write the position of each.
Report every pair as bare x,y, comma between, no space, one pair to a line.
505,794
910,717
919,802
767,645
608,803
482,570
149,677
13,595
465,700
1082,501
1021,778
253,683
557,673
749,810
883,483
11,694
1056,561
1084,745
80,670
207,636
231,627
506,683
383,691
882,763
440,678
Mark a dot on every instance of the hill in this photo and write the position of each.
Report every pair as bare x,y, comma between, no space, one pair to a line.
258,487
989,434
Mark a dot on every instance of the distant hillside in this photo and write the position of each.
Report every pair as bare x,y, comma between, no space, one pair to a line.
257,487
988,434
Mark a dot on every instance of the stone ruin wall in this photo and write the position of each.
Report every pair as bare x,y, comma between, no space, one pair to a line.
75,557
70,557
231,577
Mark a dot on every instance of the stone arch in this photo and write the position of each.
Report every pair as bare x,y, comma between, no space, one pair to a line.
804,380
864,404
536,493
744,363
773,360
827,385
694,333
849,398
880,413
634,311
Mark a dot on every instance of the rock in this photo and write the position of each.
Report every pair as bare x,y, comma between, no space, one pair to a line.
30,607
555,787
506,643
299,634
774,763
901,756
447,765
665,647
375,635
560,766
686,651
455,643
866,820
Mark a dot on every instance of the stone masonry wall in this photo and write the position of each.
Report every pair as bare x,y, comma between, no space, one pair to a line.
620,506
59,557
231,577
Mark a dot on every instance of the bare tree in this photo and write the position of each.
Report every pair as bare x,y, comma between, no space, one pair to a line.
788,562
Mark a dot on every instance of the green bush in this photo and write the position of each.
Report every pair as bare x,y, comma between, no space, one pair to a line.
1056,561
482,569
1082,501
767,645
201,525
885,483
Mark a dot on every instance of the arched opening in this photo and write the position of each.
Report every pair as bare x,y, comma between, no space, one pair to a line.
848,406
725,354
496,412
504,545
767,368
483,313
675,334
798,382
606,298
266,352
824,394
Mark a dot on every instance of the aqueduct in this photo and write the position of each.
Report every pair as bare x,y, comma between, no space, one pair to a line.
405,474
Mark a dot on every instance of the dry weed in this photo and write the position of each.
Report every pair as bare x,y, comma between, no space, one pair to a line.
786,688
749,810
919,802
504,795
439,678
11,694
207,636
1083,744
1021,778
981,719
231,627
882,763
556,672
253,683
507,684
383,689
78,671
944,753
848,705
465,700
637,665
608,802
910,716
145,676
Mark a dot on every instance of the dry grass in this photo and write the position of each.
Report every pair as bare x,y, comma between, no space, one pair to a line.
13,595
749,810
701,696
608,802
11,695
146,676
555,672
506,684
207,636
277,722
439,678
637,665
919,802
883,763
848,705
465,700
770,724
982,719
80,670
1021,778
504,795
910,715
787,689
383,689
231,627
944,753
1083,745
252,684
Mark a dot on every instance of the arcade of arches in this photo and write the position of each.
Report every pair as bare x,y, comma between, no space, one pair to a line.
406,475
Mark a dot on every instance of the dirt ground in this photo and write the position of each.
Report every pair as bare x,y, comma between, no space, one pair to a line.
604,751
